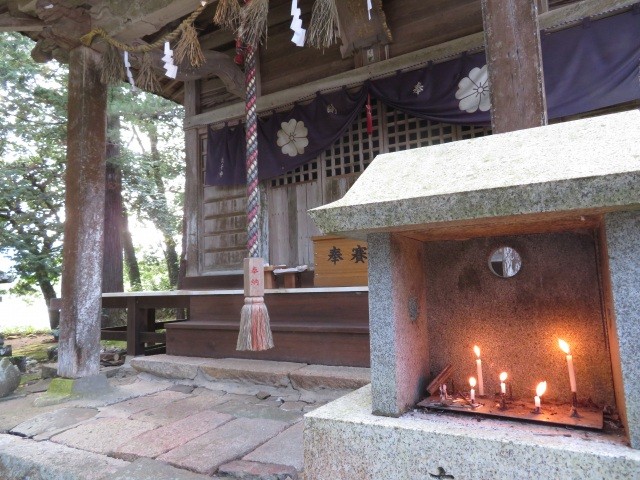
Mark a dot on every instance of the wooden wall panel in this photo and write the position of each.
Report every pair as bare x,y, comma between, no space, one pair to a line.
417,24
223,229
278,226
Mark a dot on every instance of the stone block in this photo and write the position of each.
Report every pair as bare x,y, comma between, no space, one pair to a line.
286,448
156,442
49,370
135,405
49,424
293,406
102,435
168,366
312,377
600,168
622,231
20,361
222,445
243,470
247,410
9,377
165,414
343,441
26,459
147,469
254,371
15,410
182,388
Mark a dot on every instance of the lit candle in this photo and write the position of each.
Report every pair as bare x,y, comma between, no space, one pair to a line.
503,385
472,392
476,349
564,346
540,389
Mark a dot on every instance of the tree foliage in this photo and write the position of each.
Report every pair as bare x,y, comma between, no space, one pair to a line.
32,155
33,107
153,166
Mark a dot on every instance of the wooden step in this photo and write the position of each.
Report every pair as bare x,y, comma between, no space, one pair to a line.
276,327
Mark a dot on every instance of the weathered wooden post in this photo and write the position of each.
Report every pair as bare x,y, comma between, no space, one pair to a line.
79,347
514,62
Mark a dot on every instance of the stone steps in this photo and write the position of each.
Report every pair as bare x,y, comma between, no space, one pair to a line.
299,376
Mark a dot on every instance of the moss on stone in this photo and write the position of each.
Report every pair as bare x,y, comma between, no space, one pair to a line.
61,387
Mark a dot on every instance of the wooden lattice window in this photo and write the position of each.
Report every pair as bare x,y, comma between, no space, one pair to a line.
356,149
405,132
470,131
305,173
393,131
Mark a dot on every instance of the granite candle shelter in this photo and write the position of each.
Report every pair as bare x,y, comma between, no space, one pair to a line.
560,205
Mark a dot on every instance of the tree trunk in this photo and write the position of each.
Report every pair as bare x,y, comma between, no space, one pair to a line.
130,253
162,218
112,262
48,292
112,265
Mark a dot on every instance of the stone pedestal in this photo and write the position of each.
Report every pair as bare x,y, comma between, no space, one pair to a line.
344,441
397,317
622,233
573,178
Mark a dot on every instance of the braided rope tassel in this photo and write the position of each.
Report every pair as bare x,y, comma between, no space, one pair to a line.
253,193
255,330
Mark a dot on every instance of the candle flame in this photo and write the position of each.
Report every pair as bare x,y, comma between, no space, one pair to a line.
564,346
472,382
476,350
503,376
541,388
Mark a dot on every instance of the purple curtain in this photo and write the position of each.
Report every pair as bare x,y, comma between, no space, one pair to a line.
285,140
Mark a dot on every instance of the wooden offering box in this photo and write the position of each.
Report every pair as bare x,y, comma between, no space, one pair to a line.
340,262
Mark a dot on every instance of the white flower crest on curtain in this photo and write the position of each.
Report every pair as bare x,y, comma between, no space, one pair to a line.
293,137
473,91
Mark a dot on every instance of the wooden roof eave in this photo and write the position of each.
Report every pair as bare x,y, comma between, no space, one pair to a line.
556,19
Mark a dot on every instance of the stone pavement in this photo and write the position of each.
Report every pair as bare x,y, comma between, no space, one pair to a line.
172,418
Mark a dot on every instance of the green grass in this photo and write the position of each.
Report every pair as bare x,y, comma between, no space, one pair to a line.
24,331
37,351
114,343
27,378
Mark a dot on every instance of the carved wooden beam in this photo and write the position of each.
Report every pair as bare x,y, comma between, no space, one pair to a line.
217,64
356,30
132,19
12,24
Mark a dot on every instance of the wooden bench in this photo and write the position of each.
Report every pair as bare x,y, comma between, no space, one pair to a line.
142,327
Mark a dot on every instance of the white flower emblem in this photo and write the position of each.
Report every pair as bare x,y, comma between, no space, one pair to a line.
293,137
473,91
332,109
418,88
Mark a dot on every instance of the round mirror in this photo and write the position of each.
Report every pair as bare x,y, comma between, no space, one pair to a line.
505,262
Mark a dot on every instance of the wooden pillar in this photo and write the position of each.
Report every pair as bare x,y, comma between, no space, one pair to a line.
79,347
193,180
514,60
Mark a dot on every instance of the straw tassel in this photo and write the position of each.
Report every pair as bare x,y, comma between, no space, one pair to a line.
147,78
228,15
253,21
189,47
323,29
255,329
112,67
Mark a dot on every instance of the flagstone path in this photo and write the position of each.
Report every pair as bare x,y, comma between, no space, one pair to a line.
183,418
